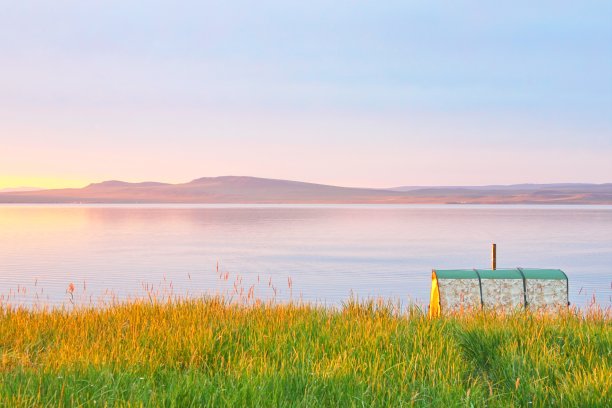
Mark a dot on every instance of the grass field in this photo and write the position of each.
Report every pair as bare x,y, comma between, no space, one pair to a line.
211,353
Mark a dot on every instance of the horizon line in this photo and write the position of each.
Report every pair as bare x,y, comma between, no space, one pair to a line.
81,184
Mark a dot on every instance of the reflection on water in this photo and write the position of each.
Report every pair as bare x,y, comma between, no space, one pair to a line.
314,252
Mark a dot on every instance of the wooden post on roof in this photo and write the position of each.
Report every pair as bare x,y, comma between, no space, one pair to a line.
493,256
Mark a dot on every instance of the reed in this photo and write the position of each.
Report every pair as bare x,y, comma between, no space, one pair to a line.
212,352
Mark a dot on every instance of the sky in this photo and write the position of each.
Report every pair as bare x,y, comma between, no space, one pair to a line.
354,93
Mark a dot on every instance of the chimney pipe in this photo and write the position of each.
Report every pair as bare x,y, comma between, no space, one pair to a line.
493,256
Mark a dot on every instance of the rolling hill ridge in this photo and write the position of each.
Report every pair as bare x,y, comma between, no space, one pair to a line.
254,190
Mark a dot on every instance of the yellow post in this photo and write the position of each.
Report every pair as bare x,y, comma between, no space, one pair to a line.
494,256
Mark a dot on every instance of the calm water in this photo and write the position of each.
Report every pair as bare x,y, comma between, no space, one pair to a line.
326,252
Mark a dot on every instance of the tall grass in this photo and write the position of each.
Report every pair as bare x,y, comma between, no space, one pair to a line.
211,352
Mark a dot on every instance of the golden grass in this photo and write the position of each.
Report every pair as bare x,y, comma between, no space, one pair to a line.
211,352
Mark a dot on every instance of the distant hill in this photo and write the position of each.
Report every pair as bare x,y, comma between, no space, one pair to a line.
517,187
247,190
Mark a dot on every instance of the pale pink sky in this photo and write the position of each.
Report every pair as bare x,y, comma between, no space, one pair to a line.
351,151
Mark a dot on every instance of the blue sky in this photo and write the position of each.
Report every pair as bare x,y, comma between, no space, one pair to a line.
354,93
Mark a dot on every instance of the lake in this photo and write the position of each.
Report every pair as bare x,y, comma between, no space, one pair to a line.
314,253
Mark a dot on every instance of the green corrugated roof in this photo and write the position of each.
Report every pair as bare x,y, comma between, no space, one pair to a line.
544,274
514,273
500,274
456,274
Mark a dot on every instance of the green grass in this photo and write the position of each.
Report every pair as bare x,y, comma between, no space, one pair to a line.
210,353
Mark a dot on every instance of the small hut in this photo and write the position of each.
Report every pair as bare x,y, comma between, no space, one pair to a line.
506,289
